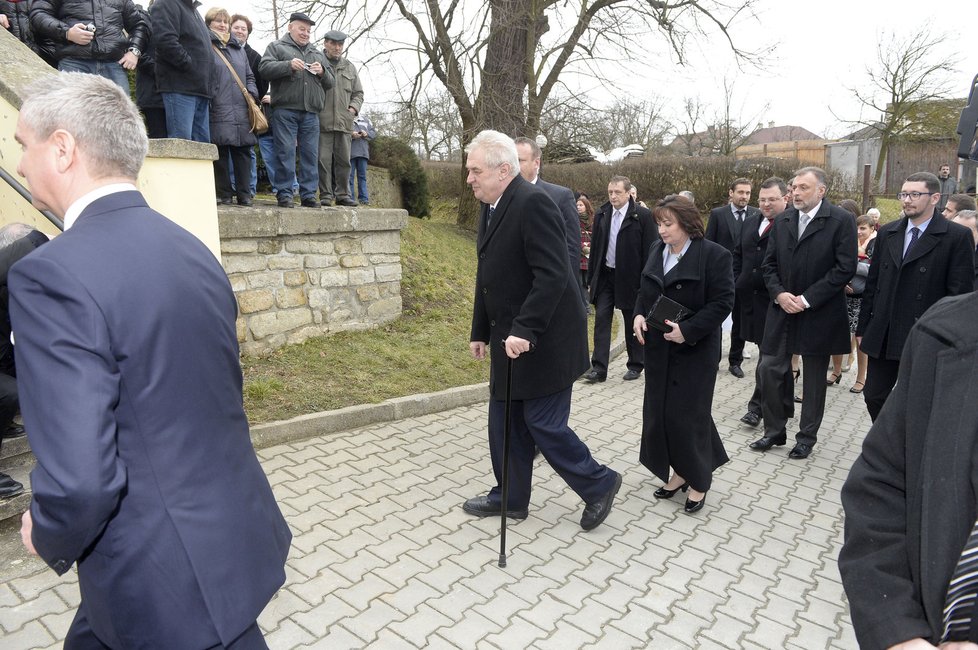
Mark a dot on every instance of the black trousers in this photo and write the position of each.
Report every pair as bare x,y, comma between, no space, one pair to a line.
736,354
787,397
604,309
775,370
241,158
881,377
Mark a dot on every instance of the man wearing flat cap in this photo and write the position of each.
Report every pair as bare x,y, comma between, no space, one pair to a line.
299,80
343,104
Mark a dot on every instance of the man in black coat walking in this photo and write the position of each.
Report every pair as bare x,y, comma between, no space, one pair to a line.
809,260
751,293
725,227
621,238
917,261
526,301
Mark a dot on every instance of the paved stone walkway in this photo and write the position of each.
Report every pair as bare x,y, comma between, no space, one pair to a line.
384,557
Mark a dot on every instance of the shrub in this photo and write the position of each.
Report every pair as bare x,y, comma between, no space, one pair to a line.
397,157
444,178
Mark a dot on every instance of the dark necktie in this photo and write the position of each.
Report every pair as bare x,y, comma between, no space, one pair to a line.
914,234
961,591
740,216
770,222
492,210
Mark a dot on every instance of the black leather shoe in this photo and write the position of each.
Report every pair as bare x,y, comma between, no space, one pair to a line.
12,431
482,507
245,201
309,203
326,203
346,202
597,512
751,419
9,487
663,493
285,201
801,450
694,506
765,443
593,376
632,375
737,372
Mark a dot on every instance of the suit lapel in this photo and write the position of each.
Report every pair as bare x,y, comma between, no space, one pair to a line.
930,239
653,270
688,267
894,242
500,213
817,222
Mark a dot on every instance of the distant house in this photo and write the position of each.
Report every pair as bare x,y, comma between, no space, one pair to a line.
771,134
788,141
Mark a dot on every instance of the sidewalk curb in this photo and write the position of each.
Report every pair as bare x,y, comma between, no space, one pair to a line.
351,417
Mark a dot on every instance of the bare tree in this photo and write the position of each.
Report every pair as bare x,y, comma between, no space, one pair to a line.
904,90
500,60
705,131
630,120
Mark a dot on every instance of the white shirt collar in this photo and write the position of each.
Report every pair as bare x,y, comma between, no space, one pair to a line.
76,208
811,213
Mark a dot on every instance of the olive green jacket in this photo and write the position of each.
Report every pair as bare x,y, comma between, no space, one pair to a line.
346,93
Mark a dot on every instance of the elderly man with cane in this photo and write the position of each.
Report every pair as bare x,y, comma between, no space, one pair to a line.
526,300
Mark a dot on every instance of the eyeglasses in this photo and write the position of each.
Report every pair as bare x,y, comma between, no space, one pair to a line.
903,196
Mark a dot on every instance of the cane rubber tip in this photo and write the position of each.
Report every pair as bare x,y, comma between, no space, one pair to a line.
502,561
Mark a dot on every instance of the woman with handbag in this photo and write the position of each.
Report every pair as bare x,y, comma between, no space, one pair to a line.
686,274
233,88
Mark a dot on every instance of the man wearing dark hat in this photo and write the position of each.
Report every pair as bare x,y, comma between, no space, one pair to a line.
343,104
299,79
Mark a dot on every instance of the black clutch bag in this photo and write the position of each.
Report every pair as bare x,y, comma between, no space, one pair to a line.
666,309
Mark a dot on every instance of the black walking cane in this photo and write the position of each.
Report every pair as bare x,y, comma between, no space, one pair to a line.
505,487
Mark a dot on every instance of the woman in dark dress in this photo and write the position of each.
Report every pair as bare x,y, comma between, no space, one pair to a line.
678,431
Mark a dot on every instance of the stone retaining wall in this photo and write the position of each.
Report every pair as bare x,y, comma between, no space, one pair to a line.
307,272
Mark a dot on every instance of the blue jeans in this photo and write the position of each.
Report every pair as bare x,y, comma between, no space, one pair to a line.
266,142
111,70
358,169
254,173
187,117
290,129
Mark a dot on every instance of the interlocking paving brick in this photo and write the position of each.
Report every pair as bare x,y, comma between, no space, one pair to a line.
384,557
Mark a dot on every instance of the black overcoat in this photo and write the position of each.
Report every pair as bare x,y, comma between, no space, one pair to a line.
910,497
819,266
751,292
563,198
635,237
677,426
899,291
724,229
523,288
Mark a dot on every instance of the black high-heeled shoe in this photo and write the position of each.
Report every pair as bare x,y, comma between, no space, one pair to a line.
836,378
694,506
663,493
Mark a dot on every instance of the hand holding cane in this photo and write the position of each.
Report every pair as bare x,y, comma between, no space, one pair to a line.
514,347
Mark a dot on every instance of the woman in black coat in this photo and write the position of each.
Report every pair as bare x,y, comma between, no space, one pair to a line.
229,123
678,431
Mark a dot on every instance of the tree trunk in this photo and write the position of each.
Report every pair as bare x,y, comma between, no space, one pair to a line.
499,105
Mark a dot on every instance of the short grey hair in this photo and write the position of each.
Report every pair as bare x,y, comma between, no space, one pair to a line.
689,195
965,214
97,113
498,149
12,232
818,172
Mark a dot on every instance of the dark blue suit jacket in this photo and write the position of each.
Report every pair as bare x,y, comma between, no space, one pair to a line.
130,386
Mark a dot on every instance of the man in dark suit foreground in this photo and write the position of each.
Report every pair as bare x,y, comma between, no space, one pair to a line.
910,499
917,261
130,388
810,258
528,308
725,227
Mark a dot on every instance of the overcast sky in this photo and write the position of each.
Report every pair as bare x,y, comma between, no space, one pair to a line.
822,48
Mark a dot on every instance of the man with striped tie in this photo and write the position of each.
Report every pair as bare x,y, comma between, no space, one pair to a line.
909,563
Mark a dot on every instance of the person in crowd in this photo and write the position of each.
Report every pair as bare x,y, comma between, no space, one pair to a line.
678,432
865,246
148,98
838,368
15,16
918,260
907,562
689,195
526,299
230,125
130,388
967,219
752,296
947,186
100,37
530,157
810,258
183,68
955,203
287,65
875,215
724,227
585,216
241,28
363,133
633,195
342,105
16,241
621,238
